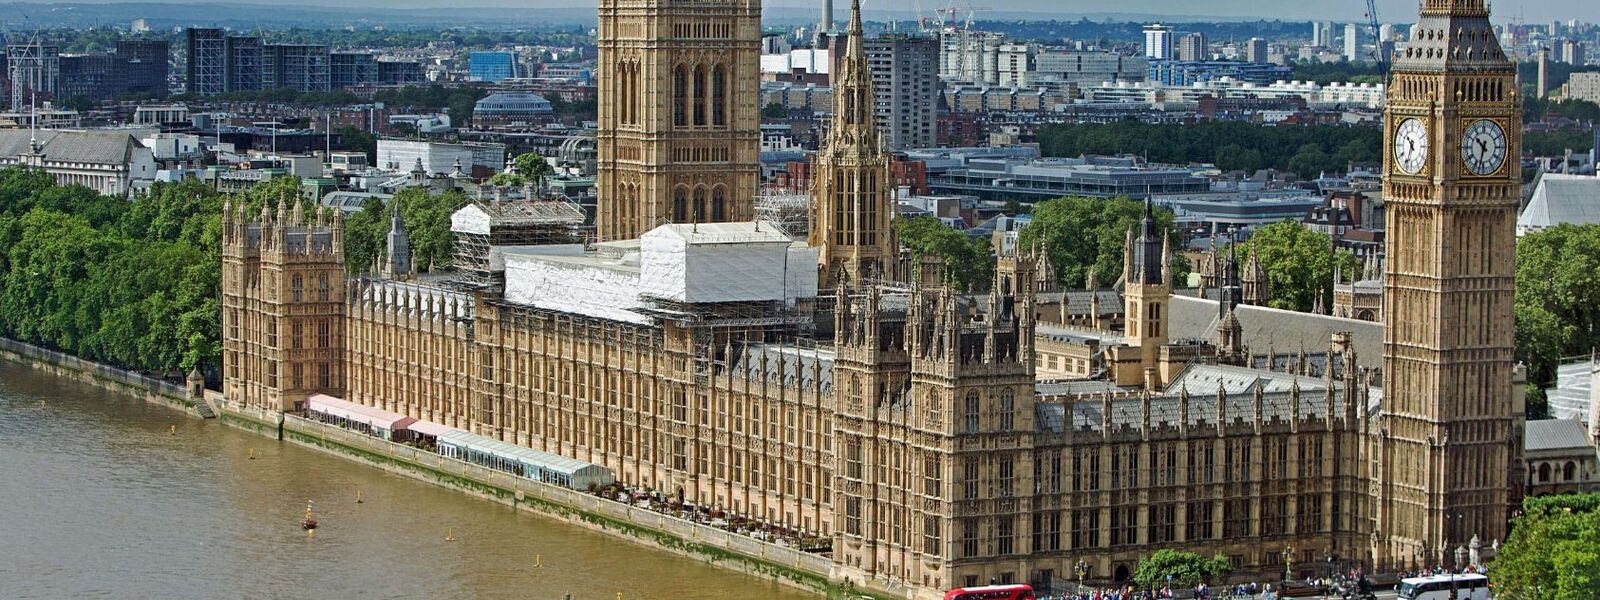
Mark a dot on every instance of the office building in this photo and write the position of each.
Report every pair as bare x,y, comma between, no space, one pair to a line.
1584,86
1572,52
1087,67
299,67
905,89
492,65
1177,73
1158,42
349,69
147,63
400,72
92,76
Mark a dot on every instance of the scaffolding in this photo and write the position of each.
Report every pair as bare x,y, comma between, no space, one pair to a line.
791,211
207,67
481,226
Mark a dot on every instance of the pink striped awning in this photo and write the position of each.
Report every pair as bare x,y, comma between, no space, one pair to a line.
374,417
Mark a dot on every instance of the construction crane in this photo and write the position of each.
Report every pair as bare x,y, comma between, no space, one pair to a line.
1377,32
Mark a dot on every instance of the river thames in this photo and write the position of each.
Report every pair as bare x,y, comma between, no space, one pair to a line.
100,500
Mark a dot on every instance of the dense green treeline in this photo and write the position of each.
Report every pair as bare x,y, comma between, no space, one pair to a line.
1557,299
137,284
1554,550
1307,151
133,284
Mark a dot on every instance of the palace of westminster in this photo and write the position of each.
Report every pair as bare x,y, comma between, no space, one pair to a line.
836,384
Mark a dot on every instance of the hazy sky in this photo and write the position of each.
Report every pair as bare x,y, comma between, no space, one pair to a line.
1340,10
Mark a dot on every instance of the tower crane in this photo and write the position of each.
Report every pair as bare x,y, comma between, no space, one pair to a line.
1377,30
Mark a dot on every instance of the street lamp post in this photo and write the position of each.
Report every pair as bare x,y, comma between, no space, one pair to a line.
1082,569
1288,563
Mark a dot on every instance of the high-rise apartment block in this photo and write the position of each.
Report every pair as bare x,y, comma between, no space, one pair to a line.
906,87
970,56
1255,50
1352,42
1192,46
1158,42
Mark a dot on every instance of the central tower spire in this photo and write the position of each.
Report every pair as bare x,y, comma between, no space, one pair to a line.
853,228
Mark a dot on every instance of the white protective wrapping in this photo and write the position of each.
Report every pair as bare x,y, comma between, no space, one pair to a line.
717,262
603,291
470,219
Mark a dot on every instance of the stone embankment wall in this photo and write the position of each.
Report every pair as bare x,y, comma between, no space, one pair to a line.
71,367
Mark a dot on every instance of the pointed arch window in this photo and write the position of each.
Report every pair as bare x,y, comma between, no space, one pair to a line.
719,96
680,205
719,204
700,198
680,97
698,96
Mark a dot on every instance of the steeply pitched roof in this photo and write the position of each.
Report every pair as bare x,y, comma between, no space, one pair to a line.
1562,198
1275,330
96,147
1554,434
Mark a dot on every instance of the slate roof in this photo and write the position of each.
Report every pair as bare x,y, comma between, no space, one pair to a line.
96,147
1079,301
1275,330
1554,434
1561,198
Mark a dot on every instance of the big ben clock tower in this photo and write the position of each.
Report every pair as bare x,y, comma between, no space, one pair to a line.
1449,437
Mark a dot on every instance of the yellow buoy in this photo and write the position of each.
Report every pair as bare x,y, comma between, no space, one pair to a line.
172,429
358,497
450,535
536,562
252,454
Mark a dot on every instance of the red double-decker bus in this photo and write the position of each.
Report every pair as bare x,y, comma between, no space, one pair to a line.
991,592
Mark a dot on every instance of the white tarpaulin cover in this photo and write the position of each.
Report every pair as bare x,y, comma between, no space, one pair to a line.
576,284
715,262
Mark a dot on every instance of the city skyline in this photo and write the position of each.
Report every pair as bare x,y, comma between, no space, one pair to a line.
1170,10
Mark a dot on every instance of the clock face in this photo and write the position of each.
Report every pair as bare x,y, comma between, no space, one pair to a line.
1411,146
1483,147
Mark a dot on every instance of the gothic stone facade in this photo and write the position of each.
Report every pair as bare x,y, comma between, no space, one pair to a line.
679,126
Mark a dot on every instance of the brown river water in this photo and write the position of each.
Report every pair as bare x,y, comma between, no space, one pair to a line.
98,499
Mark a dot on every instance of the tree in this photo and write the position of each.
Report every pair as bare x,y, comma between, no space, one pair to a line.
967,260
1179,569
1557,297
508,179
531,165
1082,233
1299,263
1554,550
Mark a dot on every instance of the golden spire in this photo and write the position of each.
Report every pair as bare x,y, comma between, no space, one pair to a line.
852,92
